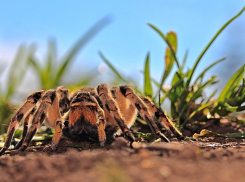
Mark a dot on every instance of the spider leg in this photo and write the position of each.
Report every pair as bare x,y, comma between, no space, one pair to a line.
57,134
48,110
64,102
22,112
60,126
25,128
164,121
101,122
128,92
110,104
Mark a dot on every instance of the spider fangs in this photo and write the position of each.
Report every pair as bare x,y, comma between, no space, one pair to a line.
99,113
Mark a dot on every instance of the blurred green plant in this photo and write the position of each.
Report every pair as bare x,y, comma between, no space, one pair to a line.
186,94
206,133
14,78
50,75
232,97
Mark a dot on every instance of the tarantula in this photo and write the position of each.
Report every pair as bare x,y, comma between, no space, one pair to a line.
98,113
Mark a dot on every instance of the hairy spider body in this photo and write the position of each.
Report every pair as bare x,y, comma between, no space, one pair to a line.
99,113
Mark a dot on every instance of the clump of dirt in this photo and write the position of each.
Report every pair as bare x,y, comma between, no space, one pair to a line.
207,159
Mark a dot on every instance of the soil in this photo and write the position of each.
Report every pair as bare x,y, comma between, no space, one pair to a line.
207,159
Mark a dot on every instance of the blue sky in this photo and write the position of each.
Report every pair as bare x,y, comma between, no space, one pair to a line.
126,41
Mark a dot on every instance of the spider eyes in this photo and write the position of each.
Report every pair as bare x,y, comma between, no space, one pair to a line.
85,95
64,91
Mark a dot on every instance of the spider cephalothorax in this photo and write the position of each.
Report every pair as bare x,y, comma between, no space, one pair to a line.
99,113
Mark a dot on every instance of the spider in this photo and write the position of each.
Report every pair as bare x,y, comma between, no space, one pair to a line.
99,113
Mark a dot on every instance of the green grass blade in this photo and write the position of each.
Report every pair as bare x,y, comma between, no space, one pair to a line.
239,79
179,82
157,84
204,71
112,67
234,108
212,95
173,93
146,136
226,91
51,60
44,73
202,87
2,68
169,58
240,95
166,40
78,46
210,43
18,69
153,81
35,64
197,110
194,97
177,77
38,69
207,133
184,61
14,69
147,85
117,73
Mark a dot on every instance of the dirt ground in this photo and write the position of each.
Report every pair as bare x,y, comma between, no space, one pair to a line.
208,159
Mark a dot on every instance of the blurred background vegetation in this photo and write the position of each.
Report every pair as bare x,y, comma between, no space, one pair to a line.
49,75
191,102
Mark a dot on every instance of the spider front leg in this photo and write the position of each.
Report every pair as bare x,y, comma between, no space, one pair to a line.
110,104
25,128
48,110
164,121
101,122
60,127
128,92
22,112
57,134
